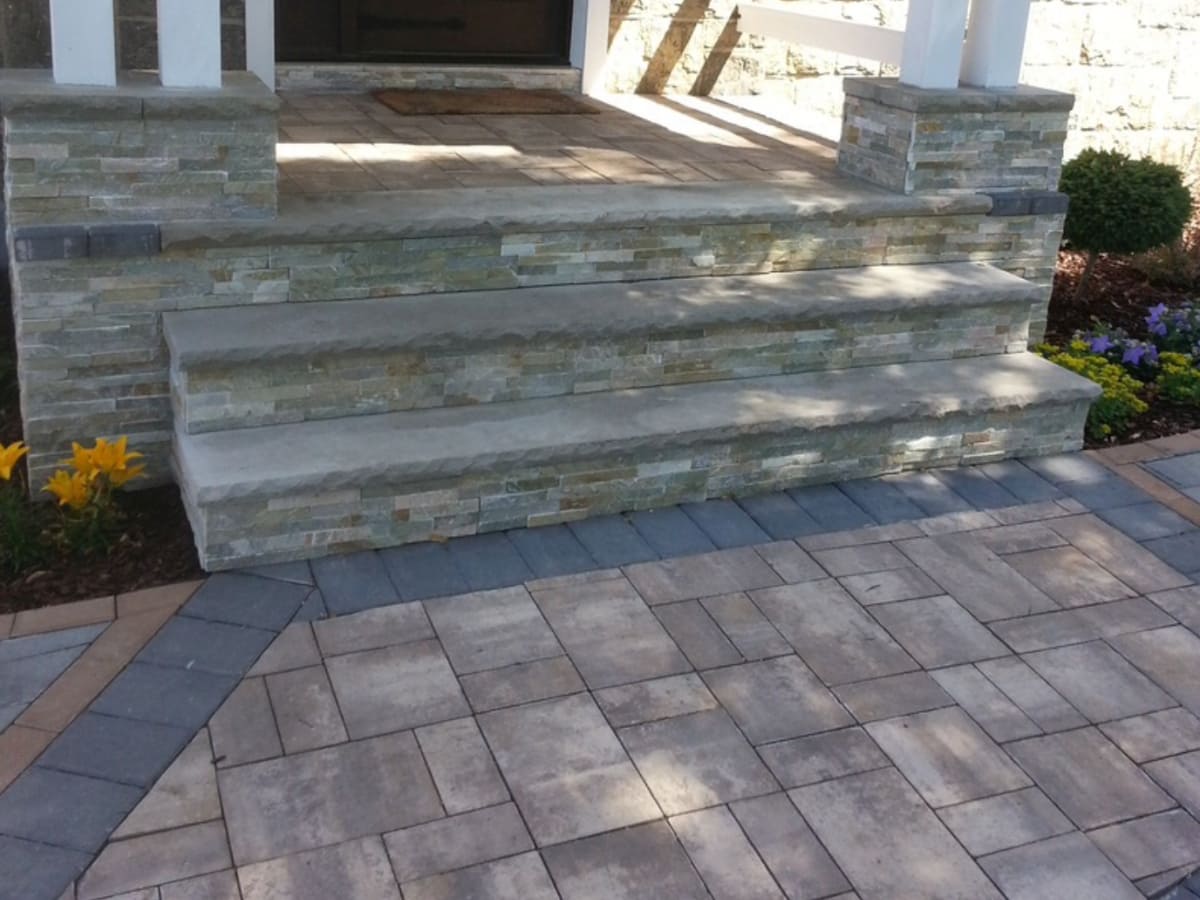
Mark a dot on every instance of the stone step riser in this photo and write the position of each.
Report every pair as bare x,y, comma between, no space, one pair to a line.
376,513
218,396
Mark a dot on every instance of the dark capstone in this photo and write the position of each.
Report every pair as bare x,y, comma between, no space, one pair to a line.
42,243
1027,203
133,239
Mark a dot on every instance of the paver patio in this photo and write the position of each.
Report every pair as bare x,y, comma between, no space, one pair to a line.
949,702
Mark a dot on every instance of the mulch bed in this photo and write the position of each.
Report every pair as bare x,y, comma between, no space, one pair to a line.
156,544
1118,295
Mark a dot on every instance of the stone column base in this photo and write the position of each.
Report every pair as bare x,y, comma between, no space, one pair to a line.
912,140
137,152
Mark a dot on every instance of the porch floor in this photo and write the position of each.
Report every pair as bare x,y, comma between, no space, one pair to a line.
352,142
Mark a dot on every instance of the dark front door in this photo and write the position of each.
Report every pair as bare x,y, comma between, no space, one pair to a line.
526,31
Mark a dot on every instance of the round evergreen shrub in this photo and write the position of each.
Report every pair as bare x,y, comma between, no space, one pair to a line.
1122,205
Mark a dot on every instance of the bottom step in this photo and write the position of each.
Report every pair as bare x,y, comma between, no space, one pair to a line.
306,490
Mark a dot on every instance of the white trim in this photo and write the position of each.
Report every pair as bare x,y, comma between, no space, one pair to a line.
775,20
83,37
933,43
189,43
260,40
589,42
995,43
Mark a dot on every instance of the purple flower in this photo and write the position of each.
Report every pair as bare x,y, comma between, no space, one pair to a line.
1102,343
1156,313
1133,355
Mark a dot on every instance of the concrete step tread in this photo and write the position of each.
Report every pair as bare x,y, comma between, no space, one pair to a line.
608,310
329,455
390,215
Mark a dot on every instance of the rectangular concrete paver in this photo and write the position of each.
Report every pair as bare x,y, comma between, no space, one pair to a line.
521,683
610,634
395,687
976,577
514,878
457,842
1124,558
649,701
896,695
776,699
213,886
1036,699
1155,735
243,729
462,767
491,629
295,648
1005,821
706,575
1180,777
358,869
568,772
861,560
947,757
326,796
723,856
185,795
694,761
936,631
790,562
831,632
746,627
1085,623
821,757
1068,867
1170,656
908,583
306,711
1088,777
1098,682
697,635
788,846
371,629
856,818
155,859
1002,719
1154,844
1068,576
643,863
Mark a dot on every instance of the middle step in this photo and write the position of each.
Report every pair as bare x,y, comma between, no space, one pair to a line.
284,363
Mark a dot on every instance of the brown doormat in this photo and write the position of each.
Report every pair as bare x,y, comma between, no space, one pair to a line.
485,102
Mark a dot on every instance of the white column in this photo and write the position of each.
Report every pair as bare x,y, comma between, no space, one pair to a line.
83,38
995,43
189,43
260,40
589,42
933,43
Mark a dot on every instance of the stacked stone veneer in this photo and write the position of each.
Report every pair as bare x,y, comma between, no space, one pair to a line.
92,359
911,140
216,396
388,514
137,153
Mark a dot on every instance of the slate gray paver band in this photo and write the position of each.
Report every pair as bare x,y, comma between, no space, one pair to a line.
799,727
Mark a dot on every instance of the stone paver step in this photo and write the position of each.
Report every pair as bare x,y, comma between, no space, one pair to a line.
267,365
303,490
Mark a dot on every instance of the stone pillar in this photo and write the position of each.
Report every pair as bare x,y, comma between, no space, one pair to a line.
137,152
911,140
91,176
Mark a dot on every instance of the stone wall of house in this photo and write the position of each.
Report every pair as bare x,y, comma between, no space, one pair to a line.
1130,63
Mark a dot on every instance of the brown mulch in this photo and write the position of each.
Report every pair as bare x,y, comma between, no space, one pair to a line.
1119,295
155,547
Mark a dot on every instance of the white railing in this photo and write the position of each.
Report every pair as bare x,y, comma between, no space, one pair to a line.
930,52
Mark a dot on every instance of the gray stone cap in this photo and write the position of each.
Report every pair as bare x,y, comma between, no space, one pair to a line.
137,95
591,311
387,215
890,92
425,445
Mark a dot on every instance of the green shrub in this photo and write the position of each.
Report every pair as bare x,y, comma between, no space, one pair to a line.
1119,405
1122,205
1178,378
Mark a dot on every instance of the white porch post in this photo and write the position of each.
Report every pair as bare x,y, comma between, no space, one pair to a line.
260,40
189,43
933,43
995,43
83,38
589,42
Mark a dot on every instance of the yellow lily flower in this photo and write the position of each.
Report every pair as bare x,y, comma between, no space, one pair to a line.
81,460
121,478
111,459
71,490
9,457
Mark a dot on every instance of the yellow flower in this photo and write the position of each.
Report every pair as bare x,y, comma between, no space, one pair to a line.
81,461
113,459
71,490
121,478
9,457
